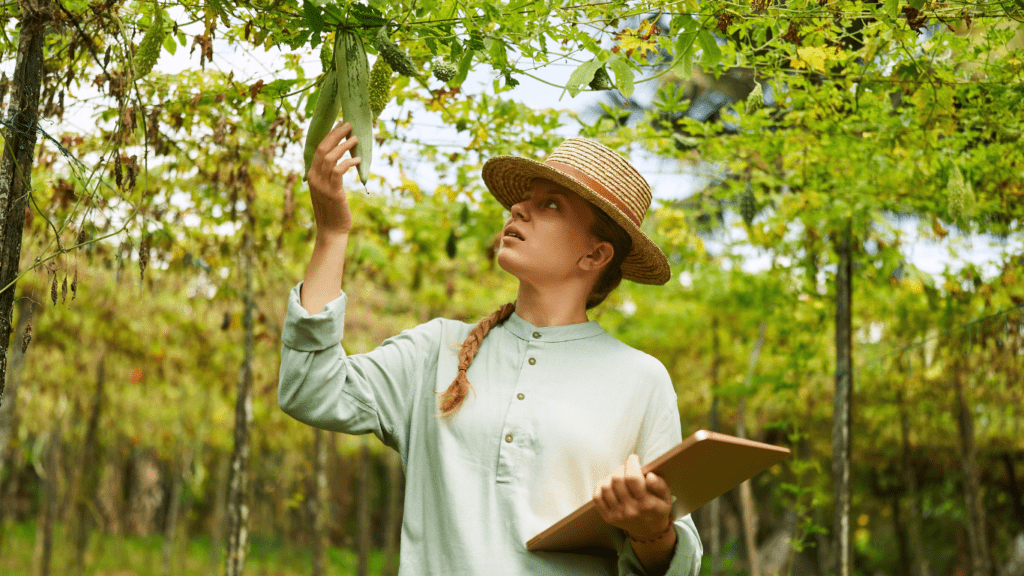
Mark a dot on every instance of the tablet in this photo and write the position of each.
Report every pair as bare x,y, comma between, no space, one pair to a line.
698,469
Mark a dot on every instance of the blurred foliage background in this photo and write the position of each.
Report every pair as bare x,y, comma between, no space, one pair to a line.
159,248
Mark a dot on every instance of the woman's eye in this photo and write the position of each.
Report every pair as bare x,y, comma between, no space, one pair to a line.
551,203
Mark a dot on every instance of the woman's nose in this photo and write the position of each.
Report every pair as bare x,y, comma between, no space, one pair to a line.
519,209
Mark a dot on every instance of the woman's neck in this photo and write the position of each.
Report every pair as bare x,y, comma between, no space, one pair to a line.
559,306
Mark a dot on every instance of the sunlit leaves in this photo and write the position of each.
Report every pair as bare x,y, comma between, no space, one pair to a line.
639,43
582,75
815,56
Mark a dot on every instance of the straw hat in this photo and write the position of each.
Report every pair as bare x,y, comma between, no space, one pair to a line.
600,176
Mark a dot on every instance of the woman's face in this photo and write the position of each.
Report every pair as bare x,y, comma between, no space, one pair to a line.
554,242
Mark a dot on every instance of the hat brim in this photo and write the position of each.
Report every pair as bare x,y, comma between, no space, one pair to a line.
508,178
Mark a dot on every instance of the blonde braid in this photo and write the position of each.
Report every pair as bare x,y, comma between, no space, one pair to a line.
452,398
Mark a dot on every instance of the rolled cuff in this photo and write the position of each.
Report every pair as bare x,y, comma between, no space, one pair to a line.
320,331
685,558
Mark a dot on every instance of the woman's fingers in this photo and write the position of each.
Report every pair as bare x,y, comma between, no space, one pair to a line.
338,172
340,130
634,478
331,159
319,165
338,151
337,142
330,205
657,485
630,499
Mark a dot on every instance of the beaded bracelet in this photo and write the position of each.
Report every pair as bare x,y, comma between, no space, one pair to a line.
667,530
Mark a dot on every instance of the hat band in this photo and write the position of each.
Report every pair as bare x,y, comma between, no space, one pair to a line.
595,186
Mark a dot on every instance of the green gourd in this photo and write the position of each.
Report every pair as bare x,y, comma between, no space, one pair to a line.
380,86
326,111
149,48
445,71
393,55
353,91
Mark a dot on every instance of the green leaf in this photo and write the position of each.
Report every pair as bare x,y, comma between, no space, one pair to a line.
475,42
623,75
278,88
455,51
367,15
582,76
312,16
169,44
892,8
916,4
300,39
684,53
499,58
464,65
711,53
311,102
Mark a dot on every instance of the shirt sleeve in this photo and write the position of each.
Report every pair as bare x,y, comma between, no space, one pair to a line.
685,558
660,432
320,385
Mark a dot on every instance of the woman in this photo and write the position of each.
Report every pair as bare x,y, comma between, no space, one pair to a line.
507,426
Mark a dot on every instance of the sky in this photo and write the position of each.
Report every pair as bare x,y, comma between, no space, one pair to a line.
669,178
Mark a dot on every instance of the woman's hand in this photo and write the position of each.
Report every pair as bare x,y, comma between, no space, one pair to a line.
638,504
330,205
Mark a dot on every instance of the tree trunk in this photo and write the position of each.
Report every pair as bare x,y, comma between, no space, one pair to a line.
26,309
173,507
976,536
238,510
750,518
842,546
363,509
318,503
901,539
44,530
823,543
19,152
1016,499
393,524
712,512
89,476
219,509
919,559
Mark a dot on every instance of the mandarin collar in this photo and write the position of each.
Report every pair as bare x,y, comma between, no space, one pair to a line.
526,331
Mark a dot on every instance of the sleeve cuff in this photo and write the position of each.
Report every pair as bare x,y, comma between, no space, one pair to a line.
317,332
686,556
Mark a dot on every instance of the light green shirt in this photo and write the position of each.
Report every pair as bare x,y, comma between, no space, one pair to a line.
552,412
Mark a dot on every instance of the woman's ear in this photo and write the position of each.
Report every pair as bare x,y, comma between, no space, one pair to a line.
599,256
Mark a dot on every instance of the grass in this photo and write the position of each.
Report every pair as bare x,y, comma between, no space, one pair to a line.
143,556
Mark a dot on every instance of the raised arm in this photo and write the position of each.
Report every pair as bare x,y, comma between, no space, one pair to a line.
333,218
319,384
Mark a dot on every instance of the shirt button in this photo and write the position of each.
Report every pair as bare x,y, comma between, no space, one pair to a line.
533,361
536,334
520,395
508,437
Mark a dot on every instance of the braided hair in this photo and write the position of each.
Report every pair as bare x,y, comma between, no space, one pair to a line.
605,229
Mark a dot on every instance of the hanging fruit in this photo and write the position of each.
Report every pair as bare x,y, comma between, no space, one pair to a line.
149,48
393,55
353,91
444,71
380,86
